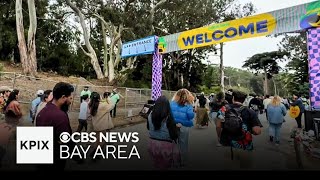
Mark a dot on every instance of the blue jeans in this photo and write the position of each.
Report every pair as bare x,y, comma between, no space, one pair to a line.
274,130
213,115
183,143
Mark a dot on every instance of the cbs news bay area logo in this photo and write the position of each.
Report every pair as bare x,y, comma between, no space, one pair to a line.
35,145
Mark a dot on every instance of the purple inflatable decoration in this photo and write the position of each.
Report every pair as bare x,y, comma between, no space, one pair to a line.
156,72
314,64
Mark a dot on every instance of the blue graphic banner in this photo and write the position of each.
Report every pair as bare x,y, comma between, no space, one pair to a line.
138,47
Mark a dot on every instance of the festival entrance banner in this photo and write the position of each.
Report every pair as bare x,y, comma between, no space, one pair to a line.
138,47
290,19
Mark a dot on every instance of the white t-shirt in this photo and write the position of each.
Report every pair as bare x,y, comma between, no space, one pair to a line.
266,102
83,111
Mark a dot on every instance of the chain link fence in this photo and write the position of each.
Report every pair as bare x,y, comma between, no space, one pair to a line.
131,99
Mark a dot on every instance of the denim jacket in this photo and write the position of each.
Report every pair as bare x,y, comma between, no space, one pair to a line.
276,113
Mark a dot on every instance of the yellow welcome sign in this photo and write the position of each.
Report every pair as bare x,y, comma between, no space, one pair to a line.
289,19
259,25
294,111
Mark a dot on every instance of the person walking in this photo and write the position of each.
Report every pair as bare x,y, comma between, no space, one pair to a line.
55,114
266,101
297,101
163,134
276,113
13,112
83,114
100,118
115,98
34,105
183,114
85,91
202,118
46,97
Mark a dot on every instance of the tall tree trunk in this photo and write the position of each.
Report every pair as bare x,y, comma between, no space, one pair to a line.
105,50
111,64
266,88
92,54
105,45
21,39
32,58
221,68
275,87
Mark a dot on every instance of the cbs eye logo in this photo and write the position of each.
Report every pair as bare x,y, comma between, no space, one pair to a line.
34,145
64,137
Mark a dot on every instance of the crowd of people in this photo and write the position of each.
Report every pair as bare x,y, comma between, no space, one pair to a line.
235,115
50,108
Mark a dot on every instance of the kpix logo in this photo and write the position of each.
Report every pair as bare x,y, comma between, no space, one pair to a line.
34,145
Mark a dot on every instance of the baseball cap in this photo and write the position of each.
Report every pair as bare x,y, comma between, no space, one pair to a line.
40,92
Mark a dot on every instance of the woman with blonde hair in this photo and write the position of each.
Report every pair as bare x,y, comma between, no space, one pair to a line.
276,112
183,114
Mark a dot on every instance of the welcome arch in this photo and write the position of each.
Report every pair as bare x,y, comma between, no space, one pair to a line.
292,19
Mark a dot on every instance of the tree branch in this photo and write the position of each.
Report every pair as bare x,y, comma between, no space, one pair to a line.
152,12
127,5
73,34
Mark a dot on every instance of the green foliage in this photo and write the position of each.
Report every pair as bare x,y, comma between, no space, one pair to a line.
296,79
266,62
256,83
242,89
57,44
213,89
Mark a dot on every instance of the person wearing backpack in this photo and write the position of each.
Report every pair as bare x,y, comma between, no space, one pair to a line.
202,118
214,107
239,124
255,104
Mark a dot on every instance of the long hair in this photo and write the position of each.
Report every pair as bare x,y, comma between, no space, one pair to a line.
12,97
45,95
94,103
162,112
276,101
183,96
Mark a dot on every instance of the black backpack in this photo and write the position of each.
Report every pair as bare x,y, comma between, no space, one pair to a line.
233,123
215,106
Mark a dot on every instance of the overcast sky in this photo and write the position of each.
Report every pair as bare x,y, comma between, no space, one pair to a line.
238,51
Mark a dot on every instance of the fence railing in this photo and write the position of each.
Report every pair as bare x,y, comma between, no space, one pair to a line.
28,86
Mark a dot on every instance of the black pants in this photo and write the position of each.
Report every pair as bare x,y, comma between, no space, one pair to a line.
298,119
113,111
82,124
